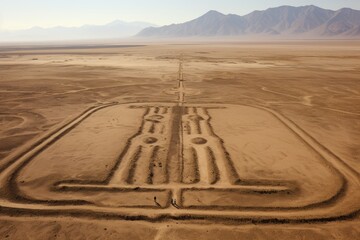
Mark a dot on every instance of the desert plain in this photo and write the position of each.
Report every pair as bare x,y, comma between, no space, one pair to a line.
197,140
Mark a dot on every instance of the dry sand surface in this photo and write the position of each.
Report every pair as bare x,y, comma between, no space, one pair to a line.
181,141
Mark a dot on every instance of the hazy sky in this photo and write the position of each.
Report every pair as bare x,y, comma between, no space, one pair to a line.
20,14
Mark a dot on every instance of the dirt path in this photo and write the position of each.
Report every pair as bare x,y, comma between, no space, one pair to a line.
307,102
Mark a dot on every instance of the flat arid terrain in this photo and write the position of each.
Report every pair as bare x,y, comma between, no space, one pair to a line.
195,140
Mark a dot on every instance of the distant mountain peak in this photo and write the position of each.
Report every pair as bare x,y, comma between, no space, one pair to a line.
115,22
213,13
313,7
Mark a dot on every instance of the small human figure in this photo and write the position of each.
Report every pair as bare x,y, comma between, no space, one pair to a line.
173,202
158,204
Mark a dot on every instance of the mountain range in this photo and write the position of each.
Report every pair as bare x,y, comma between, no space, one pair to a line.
281,22
115,29
304,22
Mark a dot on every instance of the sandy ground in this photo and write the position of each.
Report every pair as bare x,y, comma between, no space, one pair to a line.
181,141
